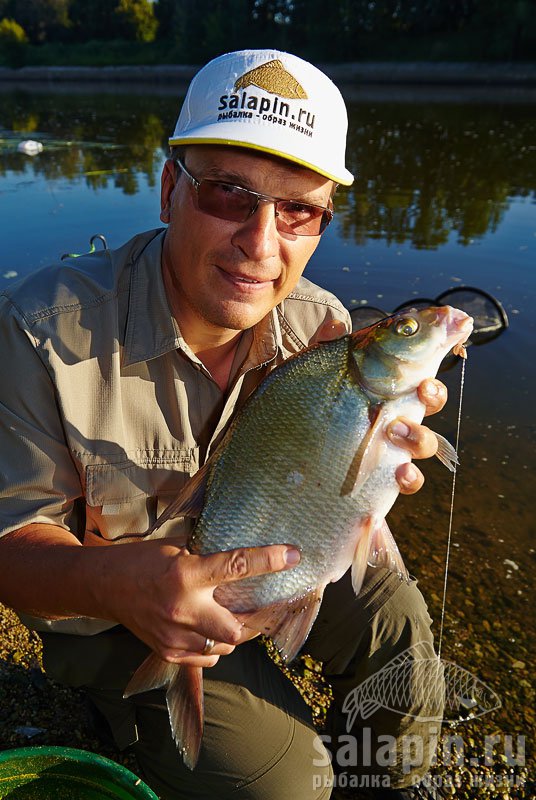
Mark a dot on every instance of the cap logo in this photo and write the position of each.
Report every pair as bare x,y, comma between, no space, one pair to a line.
273,78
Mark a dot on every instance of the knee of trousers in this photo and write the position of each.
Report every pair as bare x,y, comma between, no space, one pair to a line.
251,748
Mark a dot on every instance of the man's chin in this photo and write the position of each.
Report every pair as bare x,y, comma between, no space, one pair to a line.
238,319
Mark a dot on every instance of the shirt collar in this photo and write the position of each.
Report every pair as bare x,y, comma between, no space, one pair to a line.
151,329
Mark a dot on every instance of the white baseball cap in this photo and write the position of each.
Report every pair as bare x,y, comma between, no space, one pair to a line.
269,101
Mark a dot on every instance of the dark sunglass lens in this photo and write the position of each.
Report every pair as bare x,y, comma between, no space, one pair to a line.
224,201
327,216
300,218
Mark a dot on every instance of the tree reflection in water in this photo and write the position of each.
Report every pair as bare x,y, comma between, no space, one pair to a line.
423,171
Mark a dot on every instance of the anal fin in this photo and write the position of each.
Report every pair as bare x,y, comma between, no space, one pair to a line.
288,623
152,674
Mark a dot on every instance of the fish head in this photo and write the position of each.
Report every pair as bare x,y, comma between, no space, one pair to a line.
477,699
395,354
486,698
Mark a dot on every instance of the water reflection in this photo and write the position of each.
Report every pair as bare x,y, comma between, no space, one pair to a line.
102,139
423,172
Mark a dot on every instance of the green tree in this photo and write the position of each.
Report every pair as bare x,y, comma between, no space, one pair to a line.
136,20
43,20
11,31
94,19
165,14
13,41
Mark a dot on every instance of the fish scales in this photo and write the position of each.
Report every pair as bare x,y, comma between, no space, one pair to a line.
318,398
306,462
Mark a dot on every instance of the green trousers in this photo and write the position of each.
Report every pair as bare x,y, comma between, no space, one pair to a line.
259,741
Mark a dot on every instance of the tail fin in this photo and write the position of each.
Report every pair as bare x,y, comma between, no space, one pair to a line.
184,698
186,712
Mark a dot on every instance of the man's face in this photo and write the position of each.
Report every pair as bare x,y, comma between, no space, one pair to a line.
223,275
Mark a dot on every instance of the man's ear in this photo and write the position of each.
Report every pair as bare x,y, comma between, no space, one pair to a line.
167,184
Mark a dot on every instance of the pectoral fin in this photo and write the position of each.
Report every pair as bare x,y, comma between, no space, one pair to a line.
153,674
354,705
368,456
375,547
446,453
368,707
384,550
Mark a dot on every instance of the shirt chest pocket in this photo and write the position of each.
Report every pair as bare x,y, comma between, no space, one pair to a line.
127,497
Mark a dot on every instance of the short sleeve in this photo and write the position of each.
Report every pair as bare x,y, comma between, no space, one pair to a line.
39,481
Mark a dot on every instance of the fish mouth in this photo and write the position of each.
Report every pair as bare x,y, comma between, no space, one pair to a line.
458,324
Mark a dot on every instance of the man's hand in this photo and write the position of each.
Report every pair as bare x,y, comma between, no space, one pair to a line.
173,609
419,440
156,589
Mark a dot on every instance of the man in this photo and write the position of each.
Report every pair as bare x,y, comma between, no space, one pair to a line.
122,370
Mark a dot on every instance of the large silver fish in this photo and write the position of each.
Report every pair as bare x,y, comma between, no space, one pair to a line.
306,462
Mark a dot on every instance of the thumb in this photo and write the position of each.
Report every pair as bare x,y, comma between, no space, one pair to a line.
331,329
245,562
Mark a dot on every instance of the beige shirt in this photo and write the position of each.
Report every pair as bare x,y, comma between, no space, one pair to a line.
105,412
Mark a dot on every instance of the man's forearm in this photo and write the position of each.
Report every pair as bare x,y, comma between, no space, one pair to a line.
47,573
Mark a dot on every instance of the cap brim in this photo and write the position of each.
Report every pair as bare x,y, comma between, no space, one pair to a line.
207,137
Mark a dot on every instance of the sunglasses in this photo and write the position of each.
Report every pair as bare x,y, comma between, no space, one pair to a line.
236,204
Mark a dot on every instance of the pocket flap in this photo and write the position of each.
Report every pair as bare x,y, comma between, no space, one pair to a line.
154,475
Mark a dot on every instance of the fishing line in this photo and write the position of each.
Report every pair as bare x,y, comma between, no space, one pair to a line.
449,537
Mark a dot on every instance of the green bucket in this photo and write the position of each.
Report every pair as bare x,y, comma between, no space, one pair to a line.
62,773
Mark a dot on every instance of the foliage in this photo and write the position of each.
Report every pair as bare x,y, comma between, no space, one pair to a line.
13,41
191,31
42,20
11,31
136,20
132,20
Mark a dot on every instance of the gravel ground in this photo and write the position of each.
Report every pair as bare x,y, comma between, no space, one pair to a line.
36,711
33,709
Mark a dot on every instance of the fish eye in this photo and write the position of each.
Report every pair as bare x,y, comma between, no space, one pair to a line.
407,326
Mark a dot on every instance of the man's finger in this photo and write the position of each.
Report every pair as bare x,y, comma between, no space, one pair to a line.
330,330
193,659
245,562
409,478
178,655
433,394
418,440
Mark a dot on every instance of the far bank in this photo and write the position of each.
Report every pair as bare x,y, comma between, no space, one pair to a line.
370,73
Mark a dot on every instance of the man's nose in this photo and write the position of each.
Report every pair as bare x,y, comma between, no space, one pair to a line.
257,237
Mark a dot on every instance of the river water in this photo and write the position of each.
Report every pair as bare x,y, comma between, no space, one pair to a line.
444,197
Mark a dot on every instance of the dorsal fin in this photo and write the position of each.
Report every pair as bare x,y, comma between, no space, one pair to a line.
189,501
